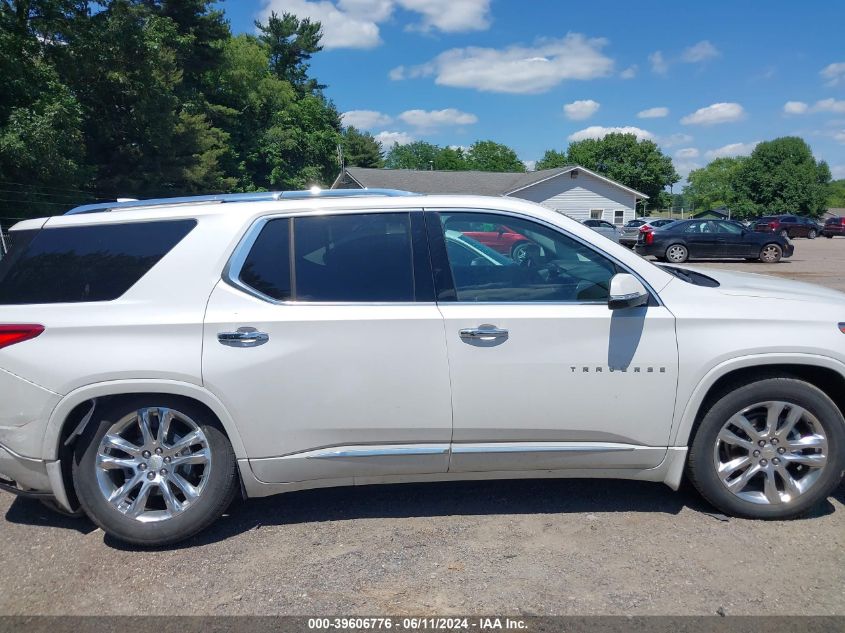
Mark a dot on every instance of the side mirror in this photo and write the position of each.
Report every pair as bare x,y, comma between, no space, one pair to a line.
626,291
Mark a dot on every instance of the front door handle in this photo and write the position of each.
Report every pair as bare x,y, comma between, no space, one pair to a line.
483,333
243,337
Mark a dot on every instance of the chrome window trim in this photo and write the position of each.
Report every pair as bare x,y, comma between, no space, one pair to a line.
232,269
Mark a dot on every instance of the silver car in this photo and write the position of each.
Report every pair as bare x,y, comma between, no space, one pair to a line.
604,227
631,231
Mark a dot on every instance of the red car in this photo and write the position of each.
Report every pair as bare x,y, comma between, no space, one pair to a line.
834,226
500,238
788,226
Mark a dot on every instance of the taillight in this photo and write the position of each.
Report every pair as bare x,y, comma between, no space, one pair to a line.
647,233
11,334
773,226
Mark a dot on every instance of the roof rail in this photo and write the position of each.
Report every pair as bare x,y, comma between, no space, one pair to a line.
255,196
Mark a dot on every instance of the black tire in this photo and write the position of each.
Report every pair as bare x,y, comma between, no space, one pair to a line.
216,496
812,234
702,470
771,253
830,237
517,248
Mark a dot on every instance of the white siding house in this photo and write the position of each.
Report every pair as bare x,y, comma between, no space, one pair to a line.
572,190
583,195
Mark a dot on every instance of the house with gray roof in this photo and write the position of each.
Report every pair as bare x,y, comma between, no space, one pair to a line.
572,190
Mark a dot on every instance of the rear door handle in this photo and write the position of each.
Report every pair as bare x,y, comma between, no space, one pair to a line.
243,337
483,333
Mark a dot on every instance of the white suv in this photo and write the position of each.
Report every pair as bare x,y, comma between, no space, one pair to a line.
159,358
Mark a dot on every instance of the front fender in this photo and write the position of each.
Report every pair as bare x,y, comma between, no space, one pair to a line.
680,434
52,434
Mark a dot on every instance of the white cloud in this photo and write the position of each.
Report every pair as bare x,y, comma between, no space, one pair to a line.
834,73
629,73
598,131
530,165
839,137
716,113
387,139
829,105
580,110
365,119
795,107
823,105
658,64
684,167
673,140
700,52
519,69
732,149
431,119
355,23
397,74
450,16
687,152
837,171
653,113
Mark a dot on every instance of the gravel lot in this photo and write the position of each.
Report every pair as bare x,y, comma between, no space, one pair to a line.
515,547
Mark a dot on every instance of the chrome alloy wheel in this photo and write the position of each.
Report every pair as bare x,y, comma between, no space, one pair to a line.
771,253
770,453
676,253
153,464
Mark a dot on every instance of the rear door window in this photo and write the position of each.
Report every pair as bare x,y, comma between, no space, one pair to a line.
334,258
74,264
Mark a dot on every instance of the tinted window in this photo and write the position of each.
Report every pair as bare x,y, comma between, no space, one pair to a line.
634,223
86,263
267,267
728,227
544,266
353,258
337,258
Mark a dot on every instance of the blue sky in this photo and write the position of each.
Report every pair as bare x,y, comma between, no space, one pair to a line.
701,79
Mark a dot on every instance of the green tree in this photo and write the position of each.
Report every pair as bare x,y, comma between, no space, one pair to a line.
360,149
836,194
782,176
638,164
291,43
714,185
551,159
416,155
451,159
492,156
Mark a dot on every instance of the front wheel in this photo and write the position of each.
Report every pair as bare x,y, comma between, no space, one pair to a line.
812,234
771,254
677,253
155,470
771,449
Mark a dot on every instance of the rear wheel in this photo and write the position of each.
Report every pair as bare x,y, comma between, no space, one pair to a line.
771,253
771,449
677,253
155,470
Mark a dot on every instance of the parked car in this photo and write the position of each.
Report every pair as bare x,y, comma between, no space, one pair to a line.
500,238
604,227
833,227
262,344
702,239
788,226
631,230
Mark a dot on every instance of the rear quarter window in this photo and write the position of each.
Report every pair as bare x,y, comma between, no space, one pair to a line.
85,263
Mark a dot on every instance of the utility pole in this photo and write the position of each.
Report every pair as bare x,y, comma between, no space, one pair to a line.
3,249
